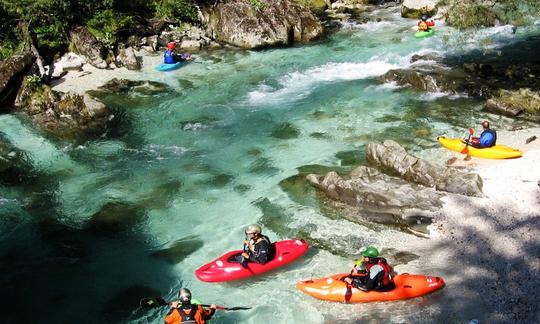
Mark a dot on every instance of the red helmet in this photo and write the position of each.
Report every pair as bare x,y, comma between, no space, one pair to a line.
171,45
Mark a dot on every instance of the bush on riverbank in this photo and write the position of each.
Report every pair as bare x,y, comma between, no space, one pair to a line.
47,23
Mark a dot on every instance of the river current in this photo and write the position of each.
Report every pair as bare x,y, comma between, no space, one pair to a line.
191,168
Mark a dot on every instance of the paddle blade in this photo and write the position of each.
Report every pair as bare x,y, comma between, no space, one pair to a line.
471,131
153,302
465,150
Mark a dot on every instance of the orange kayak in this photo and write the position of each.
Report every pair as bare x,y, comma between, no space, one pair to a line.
334,289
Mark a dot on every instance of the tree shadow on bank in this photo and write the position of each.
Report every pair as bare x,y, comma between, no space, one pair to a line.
492,273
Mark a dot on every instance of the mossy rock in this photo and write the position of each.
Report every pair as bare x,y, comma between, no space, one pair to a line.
317,6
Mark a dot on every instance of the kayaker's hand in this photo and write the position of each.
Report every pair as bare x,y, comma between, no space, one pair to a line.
246,242
174,304
348,280
213,306
245,255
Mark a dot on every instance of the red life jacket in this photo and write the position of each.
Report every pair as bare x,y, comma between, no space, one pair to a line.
387,277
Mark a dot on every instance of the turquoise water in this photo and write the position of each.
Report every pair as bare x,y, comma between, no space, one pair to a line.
190,169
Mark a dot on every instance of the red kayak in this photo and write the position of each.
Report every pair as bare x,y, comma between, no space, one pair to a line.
222,269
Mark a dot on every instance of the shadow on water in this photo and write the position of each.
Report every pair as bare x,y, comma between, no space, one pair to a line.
94,273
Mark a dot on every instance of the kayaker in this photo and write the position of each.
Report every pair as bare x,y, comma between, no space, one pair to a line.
183,311
169,57
371,272
488,138
257,247
424,24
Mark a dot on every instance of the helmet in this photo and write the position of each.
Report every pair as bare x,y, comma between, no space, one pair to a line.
485,124
171,45
254,228
371,252
184,295
424,17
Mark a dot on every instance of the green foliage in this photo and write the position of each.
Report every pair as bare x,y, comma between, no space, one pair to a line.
33,81
177,10
257,4
105,25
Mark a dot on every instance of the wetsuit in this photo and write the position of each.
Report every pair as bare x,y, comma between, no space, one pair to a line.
259,250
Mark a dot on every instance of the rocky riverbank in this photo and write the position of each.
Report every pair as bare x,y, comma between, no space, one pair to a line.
487,248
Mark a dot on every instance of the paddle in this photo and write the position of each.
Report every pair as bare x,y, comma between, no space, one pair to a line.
466,148
154,302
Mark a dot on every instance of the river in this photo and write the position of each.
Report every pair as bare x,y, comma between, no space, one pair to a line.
193,167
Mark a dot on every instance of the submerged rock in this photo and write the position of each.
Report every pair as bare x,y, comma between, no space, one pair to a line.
286,131
179,250
15,166
115,218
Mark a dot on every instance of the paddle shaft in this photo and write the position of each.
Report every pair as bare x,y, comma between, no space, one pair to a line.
466,148
158,302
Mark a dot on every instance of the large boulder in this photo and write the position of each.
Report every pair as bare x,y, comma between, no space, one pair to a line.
417,8
393,159
126,57
368,196
260,23
15,166
12,72
63,115
88,46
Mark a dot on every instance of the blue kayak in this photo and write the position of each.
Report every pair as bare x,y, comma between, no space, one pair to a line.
168,67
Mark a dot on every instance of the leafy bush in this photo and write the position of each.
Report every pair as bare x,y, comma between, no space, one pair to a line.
105,25
257,4
471,15
178,10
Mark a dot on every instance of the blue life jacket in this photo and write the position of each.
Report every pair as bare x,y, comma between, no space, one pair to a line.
169,57
488,138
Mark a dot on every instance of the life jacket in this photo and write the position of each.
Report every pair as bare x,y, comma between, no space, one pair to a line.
252,242
193,315
422,25
168,57
387,277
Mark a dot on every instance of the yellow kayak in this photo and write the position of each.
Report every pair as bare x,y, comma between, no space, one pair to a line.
494,152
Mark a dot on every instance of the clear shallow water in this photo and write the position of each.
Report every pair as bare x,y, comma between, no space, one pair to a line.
194,165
